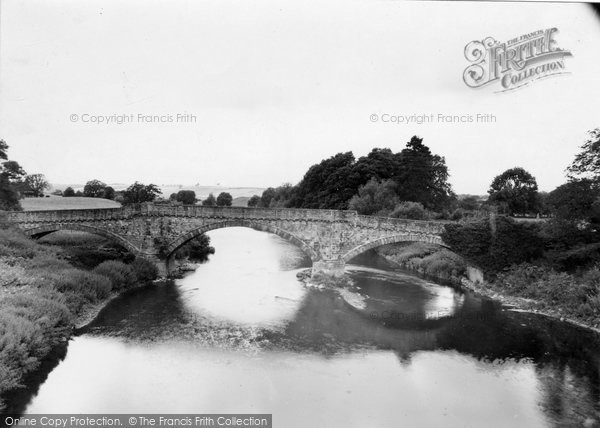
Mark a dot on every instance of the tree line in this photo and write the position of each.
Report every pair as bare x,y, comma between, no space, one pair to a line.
15,183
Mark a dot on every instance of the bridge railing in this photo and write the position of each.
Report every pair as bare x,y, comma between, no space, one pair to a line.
424,226
151,210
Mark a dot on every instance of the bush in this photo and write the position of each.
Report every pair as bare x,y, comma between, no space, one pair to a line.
121,276
91,286
409,210
144,269
16,244
496,244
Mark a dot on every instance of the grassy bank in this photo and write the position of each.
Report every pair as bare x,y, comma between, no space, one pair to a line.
43,290
426,259
573,296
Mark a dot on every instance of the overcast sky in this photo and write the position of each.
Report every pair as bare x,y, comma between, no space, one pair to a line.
277,86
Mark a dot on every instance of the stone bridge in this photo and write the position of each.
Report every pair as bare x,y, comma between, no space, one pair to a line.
329,237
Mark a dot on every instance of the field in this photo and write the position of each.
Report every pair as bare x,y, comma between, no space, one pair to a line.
60,203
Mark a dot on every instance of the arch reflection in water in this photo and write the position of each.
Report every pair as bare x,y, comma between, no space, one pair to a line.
318,361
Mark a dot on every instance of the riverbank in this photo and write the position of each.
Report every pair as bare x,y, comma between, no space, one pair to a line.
423,259
45,293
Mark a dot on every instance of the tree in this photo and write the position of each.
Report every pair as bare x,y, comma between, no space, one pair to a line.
576,201
375,197
186,197
109,193
9,196
254,201
36,183
3,150
138,193
210,201
587,163
14,171
329,184
517,189
423,177
94,189
68,192
224,199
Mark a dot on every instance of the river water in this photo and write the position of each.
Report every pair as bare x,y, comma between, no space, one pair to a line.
242,334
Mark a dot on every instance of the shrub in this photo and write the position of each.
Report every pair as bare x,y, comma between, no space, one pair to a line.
495,244
144,269
121,275
16,244
409,210
91,286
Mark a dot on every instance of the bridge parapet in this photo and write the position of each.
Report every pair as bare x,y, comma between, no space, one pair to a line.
151,210
421,226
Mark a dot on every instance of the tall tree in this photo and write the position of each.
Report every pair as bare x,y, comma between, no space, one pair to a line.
224,199
516,189
576,201
210,201
423,177
69,192
94,189
186,197
37,183
587,163
9,196
254,201
139,193
329,184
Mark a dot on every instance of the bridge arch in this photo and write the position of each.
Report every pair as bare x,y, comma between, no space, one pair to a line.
402,237
252,224
50,228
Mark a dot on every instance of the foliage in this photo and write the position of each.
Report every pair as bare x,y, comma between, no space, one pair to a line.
254,201
587,163
224,199
576,201
9,196
210,201
328,184
109,193
410,210
495,244
14,171
196,250
121,276
423,176
144,270
69,192
375,197
516,189
36,183
139,193
418,176
186,197
94,189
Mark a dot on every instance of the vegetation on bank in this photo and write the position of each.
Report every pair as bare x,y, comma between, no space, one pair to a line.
427,259
41,295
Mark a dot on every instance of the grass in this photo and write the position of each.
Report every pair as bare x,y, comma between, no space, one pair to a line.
429,259
42,292
60,203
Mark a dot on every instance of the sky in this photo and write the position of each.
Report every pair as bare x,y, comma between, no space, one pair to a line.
273,87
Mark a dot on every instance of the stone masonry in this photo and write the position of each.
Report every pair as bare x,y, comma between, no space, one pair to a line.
329,237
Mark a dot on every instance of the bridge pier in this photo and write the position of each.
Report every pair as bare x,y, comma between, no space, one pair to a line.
332,268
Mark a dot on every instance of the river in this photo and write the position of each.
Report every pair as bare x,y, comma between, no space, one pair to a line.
242,334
